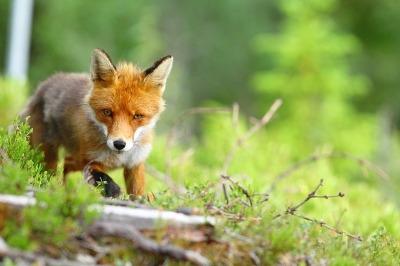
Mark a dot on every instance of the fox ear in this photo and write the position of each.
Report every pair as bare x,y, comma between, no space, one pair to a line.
101,67
159,72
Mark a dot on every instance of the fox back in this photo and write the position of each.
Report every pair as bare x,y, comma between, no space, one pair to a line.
104,119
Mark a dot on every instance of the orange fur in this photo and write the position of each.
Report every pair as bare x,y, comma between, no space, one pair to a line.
104,120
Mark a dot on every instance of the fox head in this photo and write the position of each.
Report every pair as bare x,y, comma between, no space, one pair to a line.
124,101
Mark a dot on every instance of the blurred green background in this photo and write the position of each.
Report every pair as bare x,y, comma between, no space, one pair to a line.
334,63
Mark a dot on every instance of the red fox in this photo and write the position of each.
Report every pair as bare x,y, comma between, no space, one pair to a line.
104,119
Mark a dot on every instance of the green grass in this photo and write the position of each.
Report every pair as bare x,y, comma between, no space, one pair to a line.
243,233
364,210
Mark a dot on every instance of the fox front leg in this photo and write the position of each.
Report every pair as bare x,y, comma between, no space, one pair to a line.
135,180
94,175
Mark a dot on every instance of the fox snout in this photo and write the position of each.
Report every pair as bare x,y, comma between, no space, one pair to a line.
119,145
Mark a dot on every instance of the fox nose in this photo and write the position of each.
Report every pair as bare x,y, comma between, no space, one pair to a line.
119,144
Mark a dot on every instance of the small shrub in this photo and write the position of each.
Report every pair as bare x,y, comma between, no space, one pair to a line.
19,164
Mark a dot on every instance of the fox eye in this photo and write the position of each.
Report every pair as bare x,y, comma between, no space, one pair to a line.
107,112
137,116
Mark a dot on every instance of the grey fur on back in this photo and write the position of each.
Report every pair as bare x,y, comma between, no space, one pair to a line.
48,105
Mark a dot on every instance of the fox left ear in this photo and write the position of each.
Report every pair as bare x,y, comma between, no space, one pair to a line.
159,72
101,66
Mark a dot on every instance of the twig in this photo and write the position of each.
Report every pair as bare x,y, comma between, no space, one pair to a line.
214,210
323,224
230,204
362,162
128,232
316,157
226,194
244,190
239,142
292,211
177,122
310,196
238,236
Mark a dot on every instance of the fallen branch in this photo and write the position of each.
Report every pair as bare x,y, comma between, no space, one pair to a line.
143,219
292,211
130,233
316,157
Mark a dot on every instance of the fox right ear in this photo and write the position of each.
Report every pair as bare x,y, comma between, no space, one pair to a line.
159,72
101,66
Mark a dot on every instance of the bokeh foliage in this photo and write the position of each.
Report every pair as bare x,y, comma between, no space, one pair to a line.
334,63
309,69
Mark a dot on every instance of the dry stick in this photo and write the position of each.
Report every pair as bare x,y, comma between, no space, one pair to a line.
128,232
362,162
316,157
177,122
227,206
239,142
226,194
213,210
323,224
244,190
292,211
312,195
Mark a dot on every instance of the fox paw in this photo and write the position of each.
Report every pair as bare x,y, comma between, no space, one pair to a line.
93,177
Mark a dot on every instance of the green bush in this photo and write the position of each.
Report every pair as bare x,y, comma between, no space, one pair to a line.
20,165
60,212
309,69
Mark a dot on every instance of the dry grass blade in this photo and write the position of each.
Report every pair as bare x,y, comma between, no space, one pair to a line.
317,157
240,140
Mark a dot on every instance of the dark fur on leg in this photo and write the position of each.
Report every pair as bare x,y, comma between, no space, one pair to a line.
111,189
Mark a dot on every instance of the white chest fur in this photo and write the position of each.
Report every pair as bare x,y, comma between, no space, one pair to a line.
115,159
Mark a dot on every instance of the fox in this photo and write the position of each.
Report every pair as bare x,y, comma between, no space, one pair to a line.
104,120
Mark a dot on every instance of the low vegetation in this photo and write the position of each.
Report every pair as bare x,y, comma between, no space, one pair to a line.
270,210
